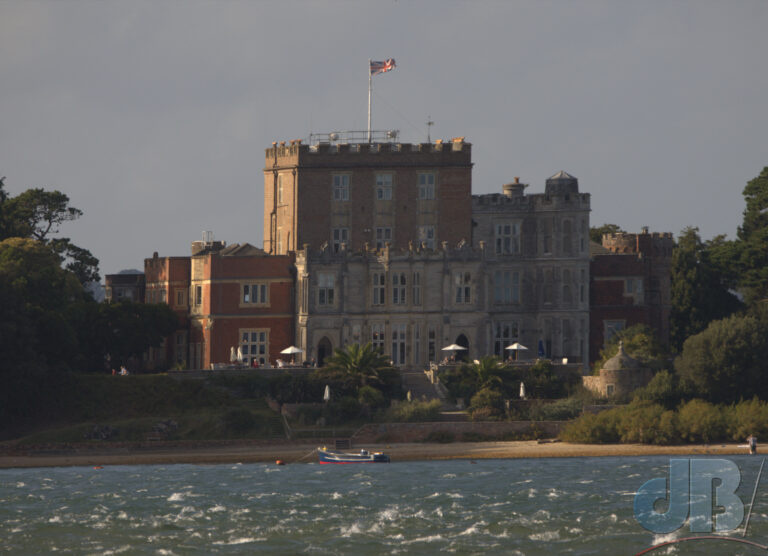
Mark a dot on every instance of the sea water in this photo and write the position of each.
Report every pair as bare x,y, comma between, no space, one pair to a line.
522,506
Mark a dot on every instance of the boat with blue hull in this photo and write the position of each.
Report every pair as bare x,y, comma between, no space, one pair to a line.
364,456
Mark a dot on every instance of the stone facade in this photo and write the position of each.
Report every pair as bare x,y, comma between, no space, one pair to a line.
523,278
538,262
358,194
619,377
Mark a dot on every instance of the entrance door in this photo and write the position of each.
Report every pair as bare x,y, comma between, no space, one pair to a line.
324,350
462,354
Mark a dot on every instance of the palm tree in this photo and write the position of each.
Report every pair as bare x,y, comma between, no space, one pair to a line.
362,363
485,370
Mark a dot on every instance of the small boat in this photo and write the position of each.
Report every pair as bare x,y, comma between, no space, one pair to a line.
364,456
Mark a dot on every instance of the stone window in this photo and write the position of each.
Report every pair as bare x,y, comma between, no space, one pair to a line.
507,238
417,288
181,298
341,187
462,286
383,187
427,236
398,343
280,189
339,237
383,236
506,287
325,288
567,237
567,297
379,288
431,343
398,288
255,345
504,333
426,186
377,336
256,294
416,344
198,295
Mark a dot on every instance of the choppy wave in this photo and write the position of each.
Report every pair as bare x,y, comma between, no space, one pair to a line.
495,507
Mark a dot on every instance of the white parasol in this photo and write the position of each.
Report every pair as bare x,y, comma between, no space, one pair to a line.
453,347
522,390
327,394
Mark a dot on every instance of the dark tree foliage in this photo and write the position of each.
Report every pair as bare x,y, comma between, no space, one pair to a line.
38,214
753,239
700,292
640,342
726,362
596,232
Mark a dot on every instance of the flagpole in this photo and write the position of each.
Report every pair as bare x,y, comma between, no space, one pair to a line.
370,81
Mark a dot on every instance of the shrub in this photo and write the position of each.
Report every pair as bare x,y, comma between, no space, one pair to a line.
560,410
746,418
411,412
663,389
489,401
593,428
647,423
701,421
371,397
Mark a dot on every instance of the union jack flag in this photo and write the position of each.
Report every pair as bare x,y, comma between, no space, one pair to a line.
381,67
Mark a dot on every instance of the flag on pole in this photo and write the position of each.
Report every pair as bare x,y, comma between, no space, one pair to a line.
381,67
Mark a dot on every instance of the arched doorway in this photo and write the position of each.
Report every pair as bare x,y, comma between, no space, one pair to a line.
324,351
462,354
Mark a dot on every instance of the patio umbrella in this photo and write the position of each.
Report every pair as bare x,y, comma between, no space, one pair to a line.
453,347
327,394
292,350
516,347
522,390
240,354
232,354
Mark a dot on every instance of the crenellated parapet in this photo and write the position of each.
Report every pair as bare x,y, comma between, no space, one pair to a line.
656,244
455,152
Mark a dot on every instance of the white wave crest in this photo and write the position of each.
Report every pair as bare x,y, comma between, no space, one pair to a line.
176,497
545,536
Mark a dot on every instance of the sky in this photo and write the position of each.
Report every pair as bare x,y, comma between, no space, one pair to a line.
153,117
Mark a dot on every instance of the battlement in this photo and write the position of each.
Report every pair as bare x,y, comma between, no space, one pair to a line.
658,244
463,251
295,150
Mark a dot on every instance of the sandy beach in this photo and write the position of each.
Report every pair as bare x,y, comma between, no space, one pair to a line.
304,453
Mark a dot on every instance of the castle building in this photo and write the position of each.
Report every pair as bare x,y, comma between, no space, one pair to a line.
167,281
366,193
538,263
630,284
522,276
239,297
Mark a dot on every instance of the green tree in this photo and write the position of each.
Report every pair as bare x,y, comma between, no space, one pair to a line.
363,364
38,214
119,331
596,232
753,239
699,292
639,342
486,371
726,362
